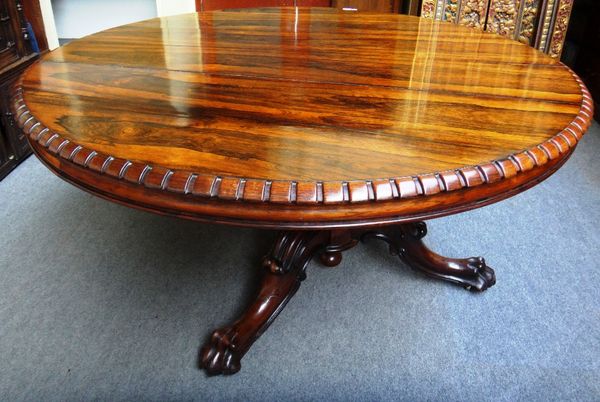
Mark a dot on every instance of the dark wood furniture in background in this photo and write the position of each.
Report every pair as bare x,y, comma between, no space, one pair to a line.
582,48
210,5
410,7
15,54
33,14
291,119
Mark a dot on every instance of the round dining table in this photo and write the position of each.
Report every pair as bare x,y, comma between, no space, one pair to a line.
332,127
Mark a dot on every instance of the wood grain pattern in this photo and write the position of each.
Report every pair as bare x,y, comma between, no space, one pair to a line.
300,108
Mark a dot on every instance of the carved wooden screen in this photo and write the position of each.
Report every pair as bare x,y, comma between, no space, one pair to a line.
539,23
466,12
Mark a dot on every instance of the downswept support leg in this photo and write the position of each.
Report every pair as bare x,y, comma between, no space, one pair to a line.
406,242
283,270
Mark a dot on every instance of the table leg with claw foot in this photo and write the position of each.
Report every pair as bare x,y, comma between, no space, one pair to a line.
472,273
284,269
406,242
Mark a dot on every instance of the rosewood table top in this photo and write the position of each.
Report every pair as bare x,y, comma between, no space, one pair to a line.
299,117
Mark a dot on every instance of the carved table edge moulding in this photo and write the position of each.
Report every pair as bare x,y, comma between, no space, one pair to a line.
297,193
319,217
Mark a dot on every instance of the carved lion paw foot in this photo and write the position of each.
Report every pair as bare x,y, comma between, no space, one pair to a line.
483,276
219,355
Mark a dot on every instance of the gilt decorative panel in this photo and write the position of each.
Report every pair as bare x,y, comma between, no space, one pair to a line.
527,26
503,17
466,12
473,13
559,30
539,23
514,18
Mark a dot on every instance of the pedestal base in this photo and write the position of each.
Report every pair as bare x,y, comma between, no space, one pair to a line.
285,265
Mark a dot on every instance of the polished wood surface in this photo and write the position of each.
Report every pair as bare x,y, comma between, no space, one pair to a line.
301,117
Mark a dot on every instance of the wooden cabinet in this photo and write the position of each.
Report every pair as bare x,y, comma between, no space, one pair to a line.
208,5
6,154
15,55
382,6
539,23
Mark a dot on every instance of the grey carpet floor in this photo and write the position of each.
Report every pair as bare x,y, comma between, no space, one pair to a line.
102,302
